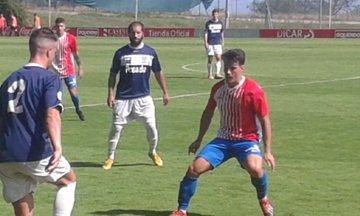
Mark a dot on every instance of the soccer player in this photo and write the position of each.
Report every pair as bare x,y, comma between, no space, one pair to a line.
30,131
37,21
2,25
64,63
134,63
13,25
214,41
240,101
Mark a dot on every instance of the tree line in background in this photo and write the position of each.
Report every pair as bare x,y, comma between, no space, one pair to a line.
8,7
305,6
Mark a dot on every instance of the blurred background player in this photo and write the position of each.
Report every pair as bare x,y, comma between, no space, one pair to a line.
214,41
134,63
2,25
240,101
30,131
37,21
64,63
13,25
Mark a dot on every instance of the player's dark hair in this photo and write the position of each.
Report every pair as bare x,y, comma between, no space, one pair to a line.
135,23
38,37
215,11
234,55
59,20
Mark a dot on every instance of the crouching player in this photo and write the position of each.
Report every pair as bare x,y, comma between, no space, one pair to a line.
240,101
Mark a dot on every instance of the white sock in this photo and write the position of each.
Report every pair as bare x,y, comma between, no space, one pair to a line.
64,200
114,136
218,67
152,136
209,68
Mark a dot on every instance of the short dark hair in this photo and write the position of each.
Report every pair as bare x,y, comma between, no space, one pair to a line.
38,37
59,20
234,55
215,11
135,23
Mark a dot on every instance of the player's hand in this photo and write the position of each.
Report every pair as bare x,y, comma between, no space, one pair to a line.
54,161
166,99
206,46
193,147
269,160
80,72
110,101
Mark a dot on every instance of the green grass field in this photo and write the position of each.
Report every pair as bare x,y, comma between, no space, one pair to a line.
313,89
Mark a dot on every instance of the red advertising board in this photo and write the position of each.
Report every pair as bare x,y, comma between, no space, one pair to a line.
296,33
347,33
112,32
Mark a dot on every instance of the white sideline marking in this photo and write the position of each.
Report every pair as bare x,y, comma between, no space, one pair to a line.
270,86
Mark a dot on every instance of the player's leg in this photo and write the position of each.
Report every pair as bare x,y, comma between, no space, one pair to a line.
144,110
210,56
218,52
210,157
17,188
65,196
120,114
24,206
250,157
75,98
62,176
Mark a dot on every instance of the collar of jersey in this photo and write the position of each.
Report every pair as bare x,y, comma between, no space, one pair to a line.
238,85
33,64
62,36
138,47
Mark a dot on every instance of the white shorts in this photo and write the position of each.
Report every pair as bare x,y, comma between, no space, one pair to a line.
214,50
21,178
141,109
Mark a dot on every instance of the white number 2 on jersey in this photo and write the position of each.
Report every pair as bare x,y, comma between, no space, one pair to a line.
13,105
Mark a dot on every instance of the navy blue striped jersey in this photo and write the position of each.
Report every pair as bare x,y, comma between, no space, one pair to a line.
24,98
134,66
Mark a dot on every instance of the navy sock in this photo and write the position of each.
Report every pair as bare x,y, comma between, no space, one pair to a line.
187,189
261,185
76,101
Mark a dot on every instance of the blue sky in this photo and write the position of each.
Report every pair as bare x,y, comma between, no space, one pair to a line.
241,6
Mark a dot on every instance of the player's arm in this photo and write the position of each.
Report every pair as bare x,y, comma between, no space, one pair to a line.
205,122
111,89
53,125
75,51
206,36
222,39
78,63
266,131
160,78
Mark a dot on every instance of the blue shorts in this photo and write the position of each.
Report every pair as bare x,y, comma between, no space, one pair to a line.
220,150
70,82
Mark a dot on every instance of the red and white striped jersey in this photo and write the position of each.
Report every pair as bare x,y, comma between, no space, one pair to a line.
239,107
64,60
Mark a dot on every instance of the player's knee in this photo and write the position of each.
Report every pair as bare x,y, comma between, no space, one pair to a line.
198,167
69,178
193,172
255,170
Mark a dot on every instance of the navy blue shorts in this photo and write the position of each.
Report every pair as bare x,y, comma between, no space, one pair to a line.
220,150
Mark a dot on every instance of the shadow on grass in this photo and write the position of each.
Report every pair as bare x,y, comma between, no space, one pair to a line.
99,165
135,212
